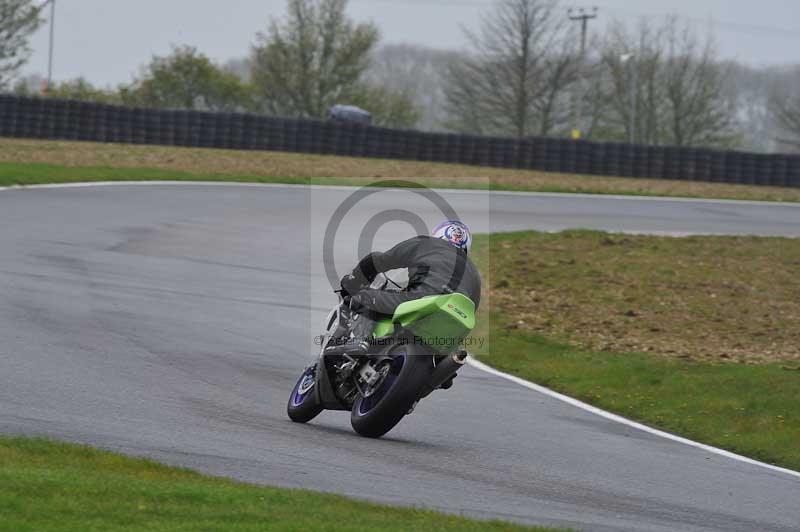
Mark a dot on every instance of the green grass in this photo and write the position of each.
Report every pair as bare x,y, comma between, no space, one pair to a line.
21,174
16,174
38,174
748,405
48,486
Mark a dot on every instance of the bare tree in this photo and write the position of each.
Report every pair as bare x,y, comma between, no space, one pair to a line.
516,79
672,82
415,71
18,20
699,112
749,87
638,78
784,106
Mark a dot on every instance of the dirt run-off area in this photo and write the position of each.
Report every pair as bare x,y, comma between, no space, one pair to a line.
709,298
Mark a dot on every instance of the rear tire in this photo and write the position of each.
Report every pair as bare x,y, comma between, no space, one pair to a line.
303,406
375,416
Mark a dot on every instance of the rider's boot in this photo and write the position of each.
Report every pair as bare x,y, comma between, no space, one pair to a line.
446,385
363,326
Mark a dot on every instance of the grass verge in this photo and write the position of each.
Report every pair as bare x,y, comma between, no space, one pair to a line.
56,486
24,162
552,295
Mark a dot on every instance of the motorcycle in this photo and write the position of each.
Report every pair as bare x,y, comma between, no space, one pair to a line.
409,355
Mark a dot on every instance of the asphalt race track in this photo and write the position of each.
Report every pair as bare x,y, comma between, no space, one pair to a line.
172,321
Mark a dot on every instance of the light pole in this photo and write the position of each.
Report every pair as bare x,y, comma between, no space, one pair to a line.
52,35
628,60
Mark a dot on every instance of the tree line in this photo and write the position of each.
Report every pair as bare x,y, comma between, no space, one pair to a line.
524,73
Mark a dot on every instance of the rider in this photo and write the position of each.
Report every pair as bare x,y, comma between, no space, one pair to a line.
437,264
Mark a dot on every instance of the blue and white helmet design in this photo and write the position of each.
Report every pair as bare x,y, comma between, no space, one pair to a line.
455,232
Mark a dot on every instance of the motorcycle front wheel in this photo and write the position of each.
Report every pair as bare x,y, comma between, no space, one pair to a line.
379,412
303,406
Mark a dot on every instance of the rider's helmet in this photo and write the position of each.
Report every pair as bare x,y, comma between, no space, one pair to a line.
455,232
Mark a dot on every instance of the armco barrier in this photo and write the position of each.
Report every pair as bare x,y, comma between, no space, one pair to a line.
45,118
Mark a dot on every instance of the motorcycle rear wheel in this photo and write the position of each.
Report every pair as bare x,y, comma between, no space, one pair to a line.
379,413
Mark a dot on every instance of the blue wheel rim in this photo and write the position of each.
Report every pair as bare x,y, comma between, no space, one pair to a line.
299,398
367,404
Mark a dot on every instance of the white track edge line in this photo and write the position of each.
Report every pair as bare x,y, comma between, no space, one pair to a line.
477,364
675,199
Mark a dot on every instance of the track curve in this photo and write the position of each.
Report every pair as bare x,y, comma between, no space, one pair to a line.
171,322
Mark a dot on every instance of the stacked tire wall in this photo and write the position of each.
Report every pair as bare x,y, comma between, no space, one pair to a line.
53,119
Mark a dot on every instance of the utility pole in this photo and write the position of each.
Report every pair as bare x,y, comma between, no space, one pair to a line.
583,16
52,35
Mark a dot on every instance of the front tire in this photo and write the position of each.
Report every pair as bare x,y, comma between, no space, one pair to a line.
303,405
376,415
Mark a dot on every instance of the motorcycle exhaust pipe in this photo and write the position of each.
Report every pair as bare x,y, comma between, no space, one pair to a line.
443,371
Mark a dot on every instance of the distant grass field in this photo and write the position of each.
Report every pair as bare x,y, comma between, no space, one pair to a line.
25,162
697,336
47,486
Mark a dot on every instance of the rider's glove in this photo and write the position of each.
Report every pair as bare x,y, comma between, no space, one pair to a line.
351,285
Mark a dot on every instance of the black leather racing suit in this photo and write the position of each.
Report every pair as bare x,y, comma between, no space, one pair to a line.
434,267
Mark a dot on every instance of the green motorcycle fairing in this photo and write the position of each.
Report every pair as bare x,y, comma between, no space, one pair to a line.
437,320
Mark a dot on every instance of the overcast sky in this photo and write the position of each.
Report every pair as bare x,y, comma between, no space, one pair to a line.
107,41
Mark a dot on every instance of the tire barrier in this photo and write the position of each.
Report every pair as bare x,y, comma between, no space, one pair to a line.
46,118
